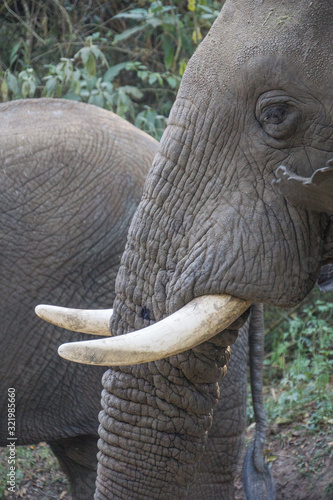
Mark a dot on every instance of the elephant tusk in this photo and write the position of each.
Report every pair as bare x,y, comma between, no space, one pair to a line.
96,322
198,321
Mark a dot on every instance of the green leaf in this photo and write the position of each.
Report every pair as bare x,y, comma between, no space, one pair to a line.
90,65
271,458
152,78
14,54
12,84
169,52
187,44
159,79
154,22
76,87
133,91
99,54
84,54
143,75
127,34
28,88
139,14
76,75
72,96
111,98
32,89
172,81
182,67
50,85
4,90
124,104
84,93
114,71
133,66
106,87
88,82
98,100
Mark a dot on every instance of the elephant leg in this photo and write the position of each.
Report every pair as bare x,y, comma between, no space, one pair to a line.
216,471
77,458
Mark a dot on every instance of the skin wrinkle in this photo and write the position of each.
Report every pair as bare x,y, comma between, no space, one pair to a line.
167,451
137,413
129,431
132,458
127,437
116,489
180,394
133,489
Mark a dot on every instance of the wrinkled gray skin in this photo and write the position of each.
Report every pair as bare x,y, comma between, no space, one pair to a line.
71,178
256,95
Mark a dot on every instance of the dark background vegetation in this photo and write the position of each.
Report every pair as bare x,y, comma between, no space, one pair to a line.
129,57
125,56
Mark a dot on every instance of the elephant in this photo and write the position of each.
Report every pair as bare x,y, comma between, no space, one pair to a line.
225,221
53,154
71,178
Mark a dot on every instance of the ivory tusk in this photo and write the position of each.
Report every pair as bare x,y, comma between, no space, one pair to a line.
96,322
198,321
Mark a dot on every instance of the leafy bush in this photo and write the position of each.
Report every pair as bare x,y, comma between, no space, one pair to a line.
131,63
299,365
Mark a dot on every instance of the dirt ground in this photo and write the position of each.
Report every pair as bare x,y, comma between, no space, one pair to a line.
301,461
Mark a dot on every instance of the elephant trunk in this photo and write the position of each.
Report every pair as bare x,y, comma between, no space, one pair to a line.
154,423
156,415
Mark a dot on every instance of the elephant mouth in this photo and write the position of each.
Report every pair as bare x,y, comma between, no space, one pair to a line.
195,323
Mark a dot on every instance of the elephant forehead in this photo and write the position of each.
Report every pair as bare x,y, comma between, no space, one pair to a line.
300,32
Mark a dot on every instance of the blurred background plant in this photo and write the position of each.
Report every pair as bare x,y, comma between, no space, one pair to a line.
124,56
129,57
299,362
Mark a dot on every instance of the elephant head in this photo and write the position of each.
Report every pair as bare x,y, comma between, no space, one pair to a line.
218,216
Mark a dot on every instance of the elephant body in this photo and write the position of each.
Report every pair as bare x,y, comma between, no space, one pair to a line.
71,178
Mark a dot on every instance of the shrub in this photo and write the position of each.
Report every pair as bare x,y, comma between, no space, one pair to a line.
131,62
299,363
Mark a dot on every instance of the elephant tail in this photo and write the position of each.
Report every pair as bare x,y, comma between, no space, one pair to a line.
258,483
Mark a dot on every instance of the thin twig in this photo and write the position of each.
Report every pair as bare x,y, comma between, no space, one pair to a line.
283,317
33,32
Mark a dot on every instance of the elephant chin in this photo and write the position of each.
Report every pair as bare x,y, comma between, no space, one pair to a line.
198,321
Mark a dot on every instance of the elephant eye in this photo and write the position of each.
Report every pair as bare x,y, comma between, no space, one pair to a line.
274,114
278,114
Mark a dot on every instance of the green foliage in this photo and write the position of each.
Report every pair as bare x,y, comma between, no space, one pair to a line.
129,61
34,464
299,365
179,30
23,459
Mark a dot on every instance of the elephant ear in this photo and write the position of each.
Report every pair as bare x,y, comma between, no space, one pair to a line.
313,193
325,278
